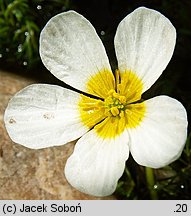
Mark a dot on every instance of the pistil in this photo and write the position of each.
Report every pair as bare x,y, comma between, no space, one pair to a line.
115,104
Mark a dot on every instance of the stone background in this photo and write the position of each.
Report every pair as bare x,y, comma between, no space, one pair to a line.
27,173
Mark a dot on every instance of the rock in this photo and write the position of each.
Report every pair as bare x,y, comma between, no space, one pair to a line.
27,173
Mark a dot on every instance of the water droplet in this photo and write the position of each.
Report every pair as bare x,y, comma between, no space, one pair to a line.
39,7
155,186
25,63
102,33
1,55
64,8
26,34
19,48
7,49
182,186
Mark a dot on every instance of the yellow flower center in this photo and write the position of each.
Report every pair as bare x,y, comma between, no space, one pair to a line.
118,110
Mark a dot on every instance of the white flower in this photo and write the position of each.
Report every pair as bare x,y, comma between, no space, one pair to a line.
154,131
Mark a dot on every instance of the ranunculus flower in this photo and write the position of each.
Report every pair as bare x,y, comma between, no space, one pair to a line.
113,123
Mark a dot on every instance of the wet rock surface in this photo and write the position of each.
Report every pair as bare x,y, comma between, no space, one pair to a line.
27,173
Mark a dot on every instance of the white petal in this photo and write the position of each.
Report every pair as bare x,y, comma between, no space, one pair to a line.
144,44
97,164
160,138
44,115
71,49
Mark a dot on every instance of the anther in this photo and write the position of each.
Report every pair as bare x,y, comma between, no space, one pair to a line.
116,95
114,111
107,113
122,99
99,103
122,114
110,93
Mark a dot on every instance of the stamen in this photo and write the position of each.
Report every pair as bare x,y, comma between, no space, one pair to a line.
107,113
114,111
116,95
100,103
122,114
122,99
117,78
110,93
